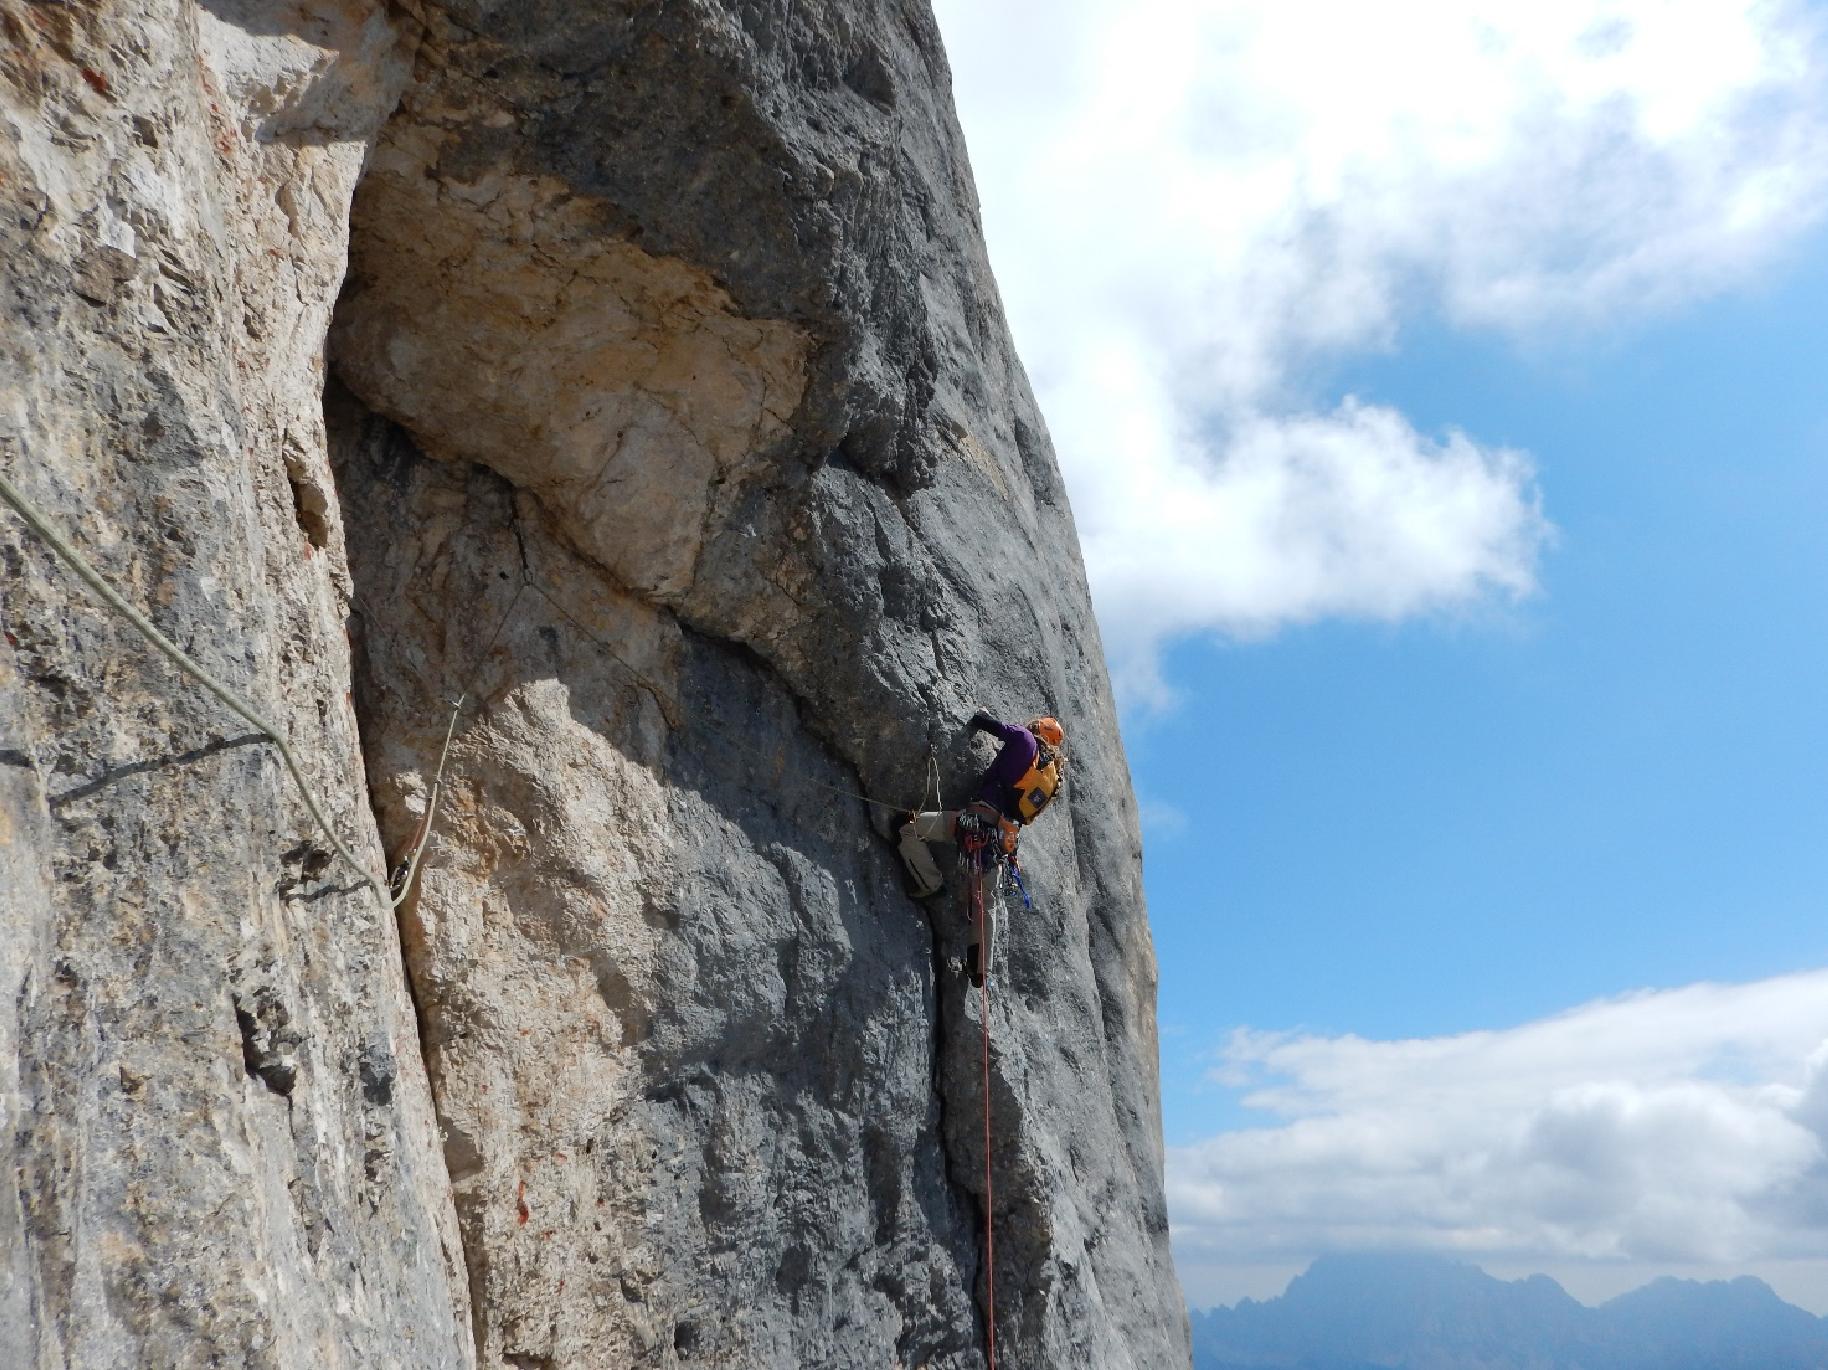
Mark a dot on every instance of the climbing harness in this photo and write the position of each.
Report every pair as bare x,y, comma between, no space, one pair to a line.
981,828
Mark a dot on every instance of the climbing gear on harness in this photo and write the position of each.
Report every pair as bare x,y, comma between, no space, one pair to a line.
981,825
987,853
1015,875
975,824
980,853
1010,833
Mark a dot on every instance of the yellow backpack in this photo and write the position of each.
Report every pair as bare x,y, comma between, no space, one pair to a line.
1036,789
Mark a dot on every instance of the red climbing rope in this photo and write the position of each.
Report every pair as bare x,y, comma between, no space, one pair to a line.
990,1248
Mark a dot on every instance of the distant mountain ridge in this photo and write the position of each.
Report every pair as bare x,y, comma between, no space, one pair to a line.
1412,1312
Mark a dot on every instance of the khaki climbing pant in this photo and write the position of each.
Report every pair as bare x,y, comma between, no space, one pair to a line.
938,825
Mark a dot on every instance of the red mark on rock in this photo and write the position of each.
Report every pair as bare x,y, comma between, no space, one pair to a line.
97,82
520,1204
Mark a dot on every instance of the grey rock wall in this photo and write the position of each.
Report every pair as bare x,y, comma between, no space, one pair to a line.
218,1134
674,423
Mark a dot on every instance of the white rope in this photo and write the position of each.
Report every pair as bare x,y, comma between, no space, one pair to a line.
235,703
431,809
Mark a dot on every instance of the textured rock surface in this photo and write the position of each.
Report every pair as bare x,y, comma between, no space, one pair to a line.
219,1139
677,425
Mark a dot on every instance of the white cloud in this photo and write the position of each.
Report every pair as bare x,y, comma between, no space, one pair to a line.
1683,1126
1164,820
1188,201
1351,512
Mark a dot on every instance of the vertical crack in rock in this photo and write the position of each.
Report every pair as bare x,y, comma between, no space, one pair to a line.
682,314
623,944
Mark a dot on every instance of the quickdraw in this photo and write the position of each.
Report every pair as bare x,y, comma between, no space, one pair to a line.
1015,876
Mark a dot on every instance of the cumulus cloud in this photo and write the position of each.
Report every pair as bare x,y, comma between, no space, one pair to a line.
1684,1126
1351,512
1189,202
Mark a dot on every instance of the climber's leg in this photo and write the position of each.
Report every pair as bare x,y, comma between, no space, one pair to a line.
924,878
981,932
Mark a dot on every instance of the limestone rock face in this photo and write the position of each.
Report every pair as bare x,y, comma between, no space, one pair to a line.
219,1141
674,427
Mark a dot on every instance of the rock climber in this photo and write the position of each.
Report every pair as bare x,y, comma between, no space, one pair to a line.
1015,788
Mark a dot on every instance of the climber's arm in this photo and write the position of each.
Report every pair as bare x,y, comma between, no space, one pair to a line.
983,722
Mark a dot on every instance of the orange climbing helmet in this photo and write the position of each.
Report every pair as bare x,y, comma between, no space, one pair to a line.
1048,730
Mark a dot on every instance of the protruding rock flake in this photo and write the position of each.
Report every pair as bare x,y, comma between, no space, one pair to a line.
634,374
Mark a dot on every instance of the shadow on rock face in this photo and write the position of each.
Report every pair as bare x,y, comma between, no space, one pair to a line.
668,986
687,313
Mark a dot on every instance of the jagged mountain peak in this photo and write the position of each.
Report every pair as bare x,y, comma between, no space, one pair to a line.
1420,1311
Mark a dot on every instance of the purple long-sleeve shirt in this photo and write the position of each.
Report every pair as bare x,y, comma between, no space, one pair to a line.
1012,763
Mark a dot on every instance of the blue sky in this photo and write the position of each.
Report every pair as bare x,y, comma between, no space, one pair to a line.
1440,391
1457,822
